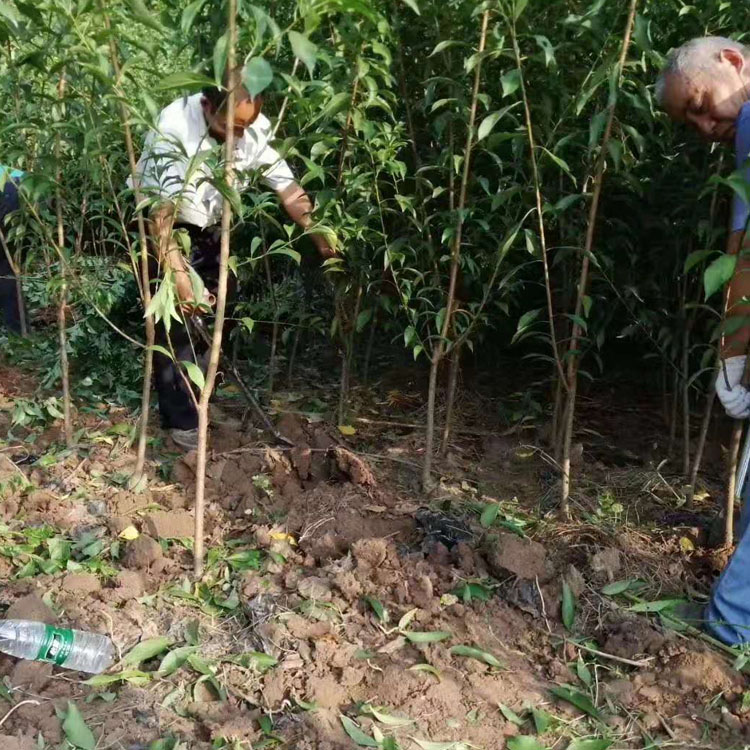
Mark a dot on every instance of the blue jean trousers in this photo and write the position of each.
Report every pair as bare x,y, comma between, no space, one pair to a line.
727,616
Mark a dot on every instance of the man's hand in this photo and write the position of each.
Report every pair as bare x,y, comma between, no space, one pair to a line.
733,395
324,249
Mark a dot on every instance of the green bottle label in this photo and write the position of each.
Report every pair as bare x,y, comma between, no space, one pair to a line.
56,646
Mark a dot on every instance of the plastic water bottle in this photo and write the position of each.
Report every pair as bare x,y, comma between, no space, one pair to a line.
72,649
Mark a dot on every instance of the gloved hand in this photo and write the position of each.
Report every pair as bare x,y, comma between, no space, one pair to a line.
735,398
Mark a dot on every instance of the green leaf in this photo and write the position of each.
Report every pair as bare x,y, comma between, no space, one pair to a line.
523,742
476,653
489,514
583,672
382,715
510,715
431,636
9,13
519,8
413,5
489,122
380,611
426,668
719,273
568,606
445,44
696,257
257,76
194,373
184,80
356,734
220,57
577,699
657,606
510,82
542,720
161,350
133,676
189,15
549,50
595,744
143,15
76,731
617,587
146,650
174,660
304,49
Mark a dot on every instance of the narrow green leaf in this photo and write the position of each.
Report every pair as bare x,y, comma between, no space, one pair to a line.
489,514
510,715
431,636
568,606
146,650
380,611
382,715
542,720
413,5
143,15
594,744
76,731
489,122
718,273
194,373
426,668
617,587
174,660
356,734
189,15
583,672
657,606
184,80
304,49
510,82
696,257
519,8
523,742
577,699
133,676
476,653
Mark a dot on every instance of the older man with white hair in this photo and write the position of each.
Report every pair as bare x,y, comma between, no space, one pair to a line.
706,84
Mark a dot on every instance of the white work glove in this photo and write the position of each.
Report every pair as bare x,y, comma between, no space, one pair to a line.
735,398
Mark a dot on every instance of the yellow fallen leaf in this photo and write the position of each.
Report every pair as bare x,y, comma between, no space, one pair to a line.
346,429
129,534
280,536
686,545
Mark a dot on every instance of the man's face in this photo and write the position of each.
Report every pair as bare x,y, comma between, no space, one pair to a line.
245,114
711,100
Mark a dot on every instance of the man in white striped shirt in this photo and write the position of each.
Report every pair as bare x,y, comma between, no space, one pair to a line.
177,169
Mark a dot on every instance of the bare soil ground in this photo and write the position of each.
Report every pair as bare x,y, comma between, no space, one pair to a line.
342,608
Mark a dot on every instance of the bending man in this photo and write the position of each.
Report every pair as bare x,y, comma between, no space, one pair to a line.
706,84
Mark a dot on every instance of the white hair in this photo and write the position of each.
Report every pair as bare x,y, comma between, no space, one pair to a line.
695,56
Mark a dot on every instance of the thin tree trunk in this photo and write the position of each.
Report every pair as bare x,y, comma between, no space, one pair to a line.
275,330
572,375
538,197
437,354
346,361
370,343
221,298
698,458
63,293
734,451
451,397
673,412
347,127
145,283
685,401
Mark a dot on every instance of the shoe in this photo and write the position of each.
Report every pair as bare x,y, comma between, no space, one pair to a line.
187,439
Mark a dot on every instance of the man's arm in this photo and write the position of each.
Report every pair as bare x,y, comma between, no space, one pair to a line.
161,221
297,204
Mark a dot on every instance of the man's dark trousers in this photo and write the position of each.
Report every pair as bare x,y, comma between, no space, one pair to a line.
9,298
176,405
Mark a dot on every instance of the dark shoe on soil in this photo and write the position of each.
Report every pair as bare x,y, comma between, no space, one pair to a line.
186,439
